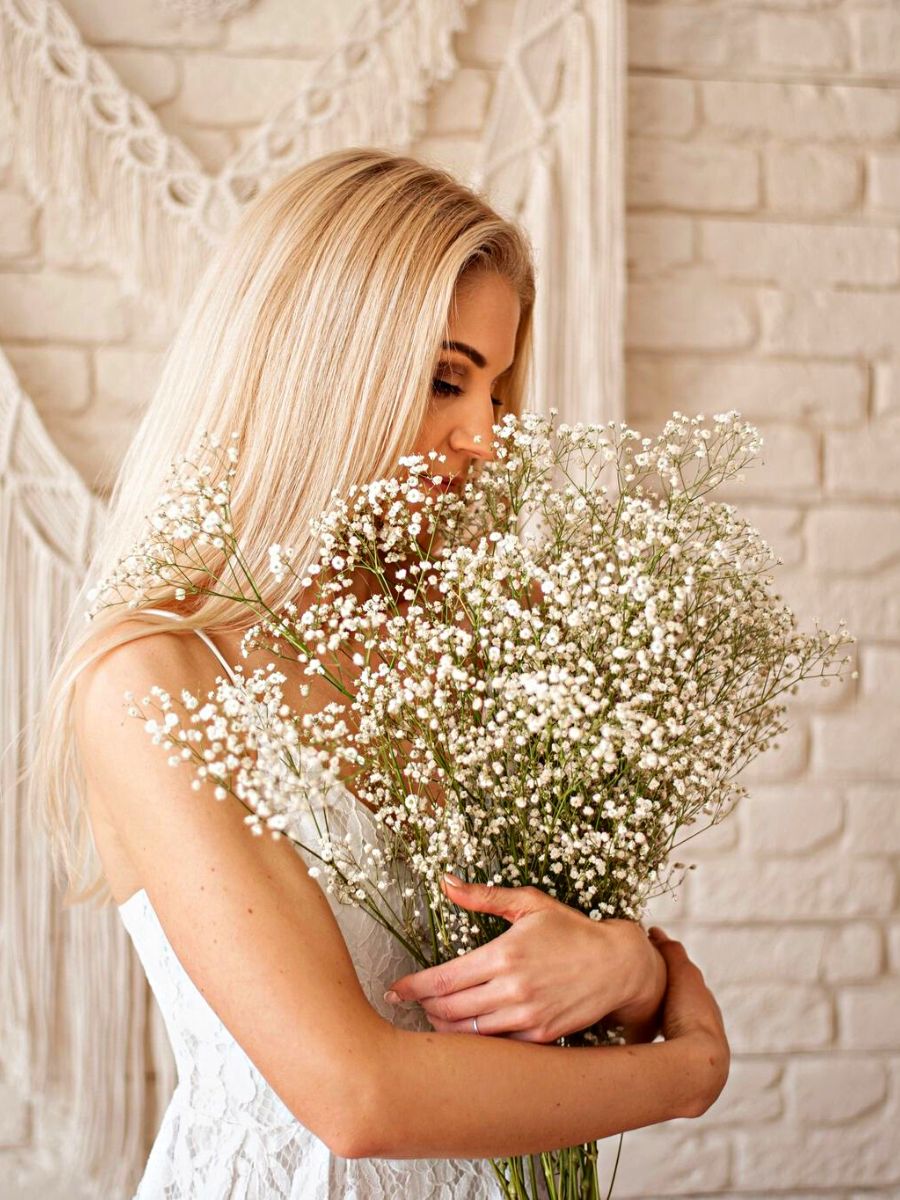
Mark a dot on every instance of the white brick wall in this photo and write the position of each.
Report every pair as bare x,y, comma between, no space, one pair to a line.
764,197
763,241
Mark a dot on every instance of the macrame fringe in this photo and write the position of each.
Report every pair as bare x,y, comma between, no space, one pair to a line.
136,197
74,1000
553,144
82,1035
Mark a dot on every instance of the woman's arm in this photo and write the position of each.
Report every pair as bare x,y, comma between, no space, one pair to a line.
552,973
258,938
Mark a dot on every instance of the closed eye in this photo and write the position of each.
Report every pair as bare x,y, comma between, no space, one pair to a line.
443,388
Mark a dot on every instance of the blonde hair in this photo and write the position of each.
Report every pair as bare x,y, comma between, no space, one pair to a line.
313,334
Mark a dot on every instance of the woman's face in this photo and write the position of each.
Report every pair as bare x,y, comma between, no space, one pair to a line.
482,324
483,321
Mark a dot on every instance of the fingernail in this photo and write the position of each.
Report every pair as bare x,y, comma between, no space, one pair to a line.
658,934
391,997
454,880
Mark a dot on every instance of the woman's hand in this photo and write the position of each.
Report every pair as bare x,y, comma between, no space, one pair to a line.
553,972
691,1013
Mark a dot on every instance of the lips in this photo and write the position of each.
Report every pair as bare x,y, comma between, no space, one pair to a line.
447,484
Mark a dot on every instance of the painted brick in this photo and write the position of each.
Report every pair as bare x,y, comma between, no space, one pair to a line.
95,459
55,377
853,540
803,42
853,952
126,378
752,1094
814,889
816,393
702,841
869,1015
879,669
884,180
674,1160
797,255
853,1154
873,818
220,90
785,759
140,23
657,244
54,306
859,742
893,934
773,953
787,467
833,324
769,1017
691,176
666,315
460,104
832,1090
485,40
790,820
781,526
876,41
660,107
811,180
788,112
886,391
152,75
827,1091
671,906
863,462
870,612
672,35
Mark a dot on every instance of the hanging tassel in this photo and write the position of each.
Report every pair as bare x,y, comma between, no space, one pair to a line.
137,199
81,1031
551,157
74,1000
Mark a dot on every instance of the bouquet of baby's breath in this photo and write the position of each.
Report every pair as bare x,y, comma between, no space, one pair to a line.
548,677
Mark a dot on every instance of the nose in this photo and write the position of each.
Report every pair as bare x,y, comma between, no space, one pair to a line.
473,436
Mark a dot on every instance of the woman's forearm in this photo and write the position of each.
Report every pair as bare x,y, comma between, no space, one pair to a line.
465,1096
640,1020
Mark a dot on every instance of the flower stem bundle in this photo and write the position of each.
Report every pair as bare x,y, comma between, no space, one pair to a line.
541,680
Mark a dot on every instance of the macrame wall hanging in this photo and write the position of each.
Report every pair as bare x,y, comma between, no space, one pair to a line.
79,1025
205,10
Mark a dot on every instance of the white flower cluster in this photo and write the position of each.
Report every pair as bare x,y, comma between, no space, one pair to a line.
193,512
562,676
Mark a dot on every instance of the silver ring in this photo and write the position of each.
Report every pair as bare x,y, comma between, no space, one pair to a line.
475,1025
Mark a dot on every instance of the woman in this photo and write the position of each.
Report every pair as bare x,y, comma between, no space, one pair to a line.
366,307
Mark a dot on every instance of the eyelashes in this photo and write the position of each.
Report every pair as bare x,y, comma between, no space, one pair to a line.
443,388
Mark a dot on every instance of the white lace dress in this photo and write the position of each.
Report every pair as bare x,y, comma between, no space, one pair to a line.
226,1133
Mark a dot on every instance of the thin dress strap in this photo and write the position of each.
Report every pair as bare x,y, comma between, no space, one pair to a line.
216,651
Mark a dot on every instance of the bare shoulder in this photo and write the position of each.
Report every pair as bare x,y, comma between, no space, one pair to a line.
108,737
249,925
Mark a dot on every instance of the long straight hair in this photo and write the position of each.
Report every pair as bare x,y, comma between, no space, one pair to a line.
312,334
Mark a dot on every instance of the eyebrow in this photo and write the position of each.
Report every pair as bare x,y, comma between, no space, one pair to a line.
470,352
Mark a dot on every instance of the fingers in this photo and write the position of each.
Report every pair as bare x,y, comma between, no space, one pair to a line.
462,1006
468,970
501,1022
510,903
668,947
